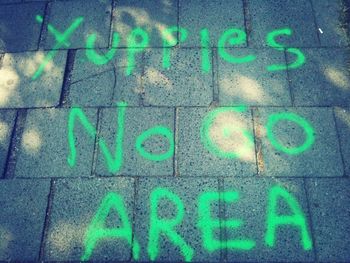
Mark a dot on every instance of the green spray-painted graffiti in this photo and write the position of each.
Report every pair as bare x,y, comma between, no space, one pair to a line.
297,219
207,224
210,144
115,163
234,37
138,40
97,230
157,130
92,55
270,39
135,47
289,116
61,38
169,40
168,227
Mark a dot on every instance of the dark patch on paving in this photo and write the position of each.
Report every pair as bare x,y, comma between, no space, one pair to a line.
329,203
23,208
21,34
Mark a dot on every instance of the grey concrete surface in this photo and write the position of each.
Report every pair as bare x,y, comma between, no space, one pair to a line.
216,122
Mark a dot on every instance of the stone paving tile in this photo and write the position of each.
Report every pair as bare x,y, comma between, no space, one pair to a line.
43,150
75,202
322,159
194,159
329,203
19,30
252,208
7,121
188,190
23,208
97,17
323,80
251,83
10,1
183,84
270,15
329,18
18,88
215,15
108,81
137,120
342,116
152,16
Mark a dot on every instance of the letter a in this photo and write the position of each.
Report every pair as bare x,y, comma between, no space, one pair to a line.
97,231
297,219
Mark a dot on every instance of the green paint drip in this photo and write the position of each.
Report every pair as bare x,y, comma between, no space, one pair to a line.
113,163
97,231
170,41
300,57
157,130
135,47
61,39
207,224
274,220
166,226
233,37
310,132
211,145
206,51
93,56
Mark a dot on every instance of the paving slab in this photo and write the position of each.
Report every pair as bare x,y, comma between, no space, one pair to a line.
19,90
104,85
151,15
330,19
195,159
19,30
188,190
321,159
137,121
97,19
7,121
329,204
44,149
10,1
217,16
75,202
270,15
183,84
252,208
342,117
251,83
23,209
323,80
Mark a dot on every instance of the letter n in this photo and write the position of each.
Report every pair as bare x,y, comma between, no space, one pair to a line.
113,163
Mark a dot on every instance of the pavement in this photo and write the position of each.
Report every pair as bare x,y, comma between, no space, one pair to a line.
198,144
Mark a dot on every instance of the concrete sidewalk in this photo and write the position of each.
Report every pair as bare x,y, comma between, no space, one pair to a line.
183,145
